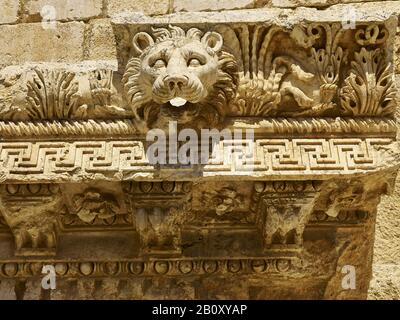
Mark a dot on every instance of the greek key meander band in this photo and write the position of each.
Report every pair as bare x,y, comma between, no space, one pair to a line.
118,159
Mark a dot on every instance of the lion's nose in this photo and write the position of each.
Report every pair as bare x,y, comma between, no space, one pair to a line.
175,81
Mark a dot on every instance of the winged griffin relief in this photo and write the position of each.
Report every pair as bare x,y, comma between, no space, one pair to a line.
199,77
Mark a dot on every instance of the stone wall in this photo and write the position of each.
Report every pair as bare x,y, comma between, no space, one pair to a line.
83,32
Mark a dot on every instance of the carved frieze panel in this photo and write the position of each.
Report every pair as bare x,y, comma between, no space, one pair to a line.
199,75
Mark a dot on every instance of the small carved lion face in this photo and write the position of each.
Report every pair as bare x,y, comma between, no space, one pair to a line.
180,70
180,74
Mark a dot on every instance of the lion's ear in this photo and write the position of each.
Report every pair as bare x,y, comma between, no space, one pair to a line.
213,40
141,41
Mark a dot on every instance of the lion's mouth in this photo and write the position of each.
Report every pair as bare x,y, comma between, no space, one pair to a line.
177,102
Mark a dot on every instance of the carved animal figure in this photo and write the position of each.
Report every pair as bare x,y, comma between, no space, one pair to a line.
185,76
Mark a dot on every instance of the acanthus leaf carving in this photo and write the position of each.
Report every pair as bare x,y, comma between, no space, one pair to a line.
52,95
369,89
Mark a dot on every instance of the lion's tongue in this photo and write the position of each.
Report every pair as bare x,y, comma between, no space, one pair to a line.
178,102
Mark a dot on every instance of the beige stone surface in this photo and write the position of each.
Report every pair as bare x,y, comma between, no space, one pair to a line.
63,9
148,7
397,53
386,262
204,5
31,42
312,3
100,41
385,284
8,11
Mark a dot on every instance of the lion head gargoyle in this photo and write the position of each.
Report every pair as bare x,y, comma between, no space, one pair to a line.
181,76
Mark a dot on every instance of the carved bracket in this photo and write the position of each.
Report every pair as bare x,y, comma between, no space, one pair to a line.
31,212
283,211
160,208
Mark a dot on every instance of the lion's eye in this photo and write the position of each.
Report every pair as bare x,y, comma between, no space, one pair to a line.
194,62
160,63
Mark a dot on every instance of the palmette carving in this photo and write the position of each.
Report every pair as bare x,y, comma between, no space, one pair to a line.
369,89
329,61
52,95
55,93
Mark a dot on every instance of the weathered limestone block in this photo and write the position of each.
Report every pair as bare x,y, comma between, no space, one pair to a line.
385,284
37,10
151,7
64,43
312,3
100,41
9,11
204,5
